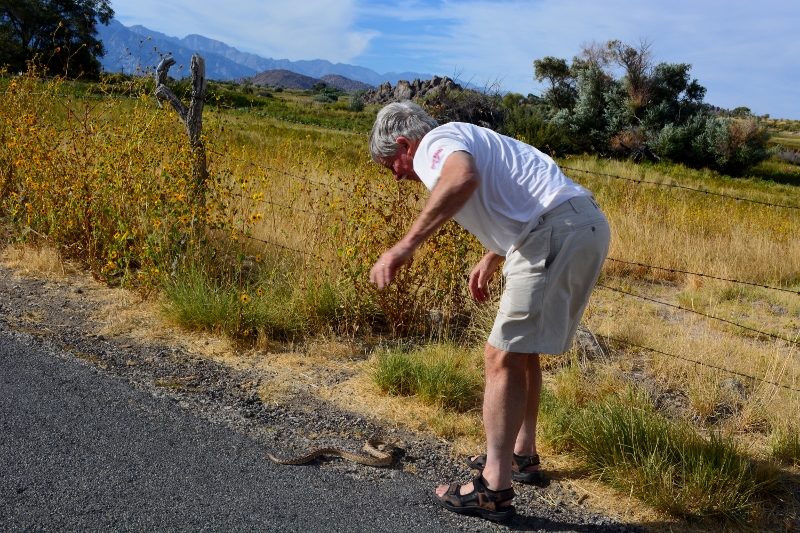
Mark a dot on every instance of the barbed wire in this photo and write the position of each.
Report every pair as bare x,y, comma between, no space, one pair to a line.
675,270
709,365
307,123
265,167
765,333
723,195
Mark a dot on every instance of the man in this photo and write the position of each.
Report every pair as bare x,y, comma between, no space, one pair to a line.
554,240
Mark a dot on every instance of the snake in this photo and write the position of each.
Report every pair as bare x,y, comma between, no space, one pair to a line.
375,457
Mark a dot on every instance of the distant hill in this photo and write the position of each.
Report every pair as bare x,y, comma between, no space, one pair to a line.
345,84
286,78
293,80
128,48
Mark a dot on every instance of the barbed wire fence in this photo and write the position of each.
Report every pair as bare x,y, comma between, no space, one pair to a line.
759,333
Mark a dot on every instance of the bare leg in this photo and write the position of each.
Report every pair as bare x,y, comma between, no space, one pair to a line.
504,405
525,444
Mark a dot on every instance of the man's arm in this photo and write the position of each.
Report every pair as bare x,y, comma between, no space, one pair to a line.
457,183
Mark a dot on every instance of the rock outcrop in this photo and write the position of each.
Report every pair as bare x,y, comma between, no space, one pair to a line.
404,90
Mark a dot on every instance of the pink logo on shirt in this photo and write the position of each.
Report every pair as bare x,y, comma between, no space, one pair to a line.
436,159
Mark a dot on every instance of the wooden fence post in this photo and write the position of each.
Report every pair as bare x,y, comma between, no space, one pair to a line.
191,116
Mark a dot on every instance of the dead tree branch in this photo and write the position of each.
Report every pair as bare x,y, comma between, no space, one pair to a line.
191,116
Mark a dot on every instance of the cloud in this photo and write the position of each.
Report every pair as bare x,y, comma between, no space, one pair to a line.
308,29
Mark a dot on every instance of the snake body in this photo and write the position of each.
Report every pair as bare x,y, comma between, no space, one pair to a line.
375,457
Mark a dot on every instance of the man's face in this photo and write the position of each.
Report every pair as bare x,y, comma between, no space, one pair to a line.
402,162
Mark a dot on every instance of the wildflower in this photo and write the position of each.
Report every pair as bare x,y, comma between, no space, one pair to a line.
351,251
258,258
259,291
258,196
245,298
256,217
113,254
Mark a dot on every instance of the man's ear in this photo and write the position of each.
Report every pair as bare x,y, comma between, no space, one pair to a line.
407,144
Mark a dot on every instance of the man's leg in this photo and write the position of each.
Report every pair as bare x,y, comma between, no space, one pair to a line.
525,444
504,406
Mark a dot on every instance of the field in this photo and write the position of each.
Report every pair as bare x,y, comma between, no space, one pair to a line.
690,348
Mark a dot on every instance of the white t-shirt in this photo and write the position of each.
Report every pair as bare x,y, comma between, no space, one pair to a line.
518,183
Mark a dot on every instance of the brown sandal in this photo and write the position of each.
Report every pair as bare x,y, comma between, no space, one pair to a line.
482,500
518,464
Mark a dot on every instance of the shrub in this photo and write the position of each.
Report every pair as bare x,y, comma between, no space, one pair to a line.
475,107
531,125
357,101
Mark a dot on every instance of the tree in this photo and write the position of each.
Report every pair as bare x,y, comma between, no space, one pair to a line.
652,111
60,35
562,91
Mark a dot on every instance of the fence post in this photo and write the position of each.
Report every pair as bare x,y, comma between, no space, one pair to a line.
191,116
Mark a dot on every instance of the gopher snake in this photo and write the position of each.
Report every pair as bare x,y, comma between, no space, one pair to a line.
375,457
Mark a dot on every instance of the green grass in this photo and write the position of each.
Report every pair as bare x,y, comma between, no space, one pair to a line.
439,375
785,445
621,439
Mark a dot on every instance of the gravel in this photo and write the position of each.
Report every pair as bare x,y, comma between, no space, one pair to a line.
58,314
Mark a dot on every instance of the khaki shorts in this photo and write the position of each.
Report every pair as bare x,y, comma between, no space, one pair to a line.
549,279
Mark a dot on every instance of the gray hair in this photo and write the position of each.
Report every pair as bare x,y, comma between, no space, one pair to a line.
399,119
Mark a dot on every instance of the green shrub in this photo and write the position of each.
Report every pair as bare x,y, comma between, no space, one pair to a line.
531,125
357,101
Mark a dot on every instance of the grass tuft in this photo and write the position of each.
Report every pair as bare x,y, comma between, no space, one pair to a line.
784,445
438,374
665,463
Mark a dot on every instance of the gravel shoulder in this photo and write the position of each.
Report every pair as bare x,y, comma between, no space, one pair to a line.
69,315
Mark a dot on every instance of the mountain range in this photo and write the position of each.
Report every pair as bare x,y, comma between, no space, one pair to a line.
129,48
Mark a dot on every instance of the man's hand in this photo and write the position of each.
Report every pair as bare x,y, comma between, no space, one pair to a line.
388,264
481,274
458,181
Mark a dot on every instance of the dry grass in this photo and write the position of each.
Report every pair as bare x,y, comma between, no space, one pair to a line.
37,262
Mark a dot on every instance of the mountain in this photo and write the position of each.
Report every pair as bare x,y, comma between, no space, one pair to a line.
283,77
130,47
345,84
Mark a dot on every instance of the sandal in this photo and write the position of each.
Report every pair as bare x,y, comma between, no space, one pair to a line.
518,464
482,500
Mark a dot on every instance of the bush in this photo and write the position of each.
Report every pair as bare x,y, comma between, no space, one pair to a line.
357,101
530,124
326,98
729,145
469,106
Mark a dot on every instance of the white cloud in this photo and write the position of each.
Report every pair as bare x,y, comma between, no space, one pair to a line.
307,29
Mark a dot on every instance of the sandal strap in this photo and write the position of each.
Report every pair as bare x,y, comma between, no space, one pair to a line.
487,495
522,462
480,496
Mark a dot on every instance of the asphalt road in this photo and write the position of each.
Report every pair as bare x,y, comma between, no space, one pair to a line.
83,450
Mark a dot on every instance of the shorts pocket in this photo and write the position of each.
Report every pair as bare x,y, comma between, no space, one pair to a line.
526,278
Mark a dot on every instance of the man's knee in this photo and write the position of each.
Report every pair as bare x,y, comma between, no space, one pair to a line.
496,360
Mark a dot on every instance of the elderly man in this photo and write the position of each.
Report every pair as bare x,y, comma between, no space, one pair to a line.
554,240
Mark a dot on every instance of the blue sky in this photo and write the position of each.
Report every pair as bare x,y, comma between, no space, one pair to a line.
745,53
